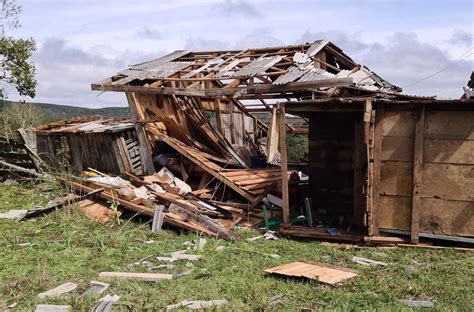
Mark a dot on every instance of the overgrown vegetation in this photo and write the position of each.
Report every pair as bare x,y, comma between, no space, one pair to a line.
65,246
297,147
19,115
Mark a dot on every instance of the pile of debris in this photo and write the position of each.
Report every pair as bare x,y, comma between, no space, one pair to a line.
168,199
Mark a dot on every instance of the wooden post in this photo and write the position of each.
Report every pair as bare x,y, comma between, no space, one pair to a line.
417,173
358,207
145,153
284,164
158,218
373,216
217,109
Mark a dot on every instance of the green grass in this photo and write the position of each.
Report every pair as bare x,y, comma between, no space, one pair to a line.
65,246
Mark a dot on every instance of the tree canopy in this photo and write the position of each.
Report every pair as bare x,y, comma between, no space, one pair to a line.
16,69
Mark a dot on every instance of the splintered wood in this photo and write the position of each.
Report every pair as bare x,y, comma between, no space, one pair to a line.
320,272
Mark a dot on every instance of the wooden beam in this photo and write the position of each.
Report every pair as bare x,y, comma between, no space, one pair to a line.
145,153
284,164
373,216
237,91
417,174
217,108
265,88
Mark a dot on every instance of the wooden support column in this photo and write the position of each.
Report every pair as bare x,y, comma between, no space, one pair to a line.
417,173
284,164
145,153
217,108
373,208
358,210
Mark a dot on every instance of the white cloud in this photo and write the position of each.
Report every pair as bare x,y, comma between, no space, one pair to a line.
238,7
65,73
150,33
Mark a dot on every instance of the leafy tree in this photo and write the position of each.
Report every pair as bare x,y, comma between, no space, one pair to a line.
16,70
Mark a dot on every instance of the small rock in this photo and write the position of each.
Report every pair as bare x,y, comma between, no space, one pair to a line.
220,248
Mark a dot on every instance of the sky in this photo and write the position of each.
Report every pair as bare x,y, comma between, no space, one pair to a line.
83,41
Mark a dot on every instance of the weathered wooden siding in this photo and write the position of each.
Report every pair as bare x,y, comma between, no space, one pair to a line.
446,190
107,152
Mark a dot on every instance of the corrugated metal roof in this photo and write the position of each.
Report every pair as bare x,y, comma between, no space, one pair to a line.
225,72
293,73
316,74
316,47
159,61
215,61
259,65
160,71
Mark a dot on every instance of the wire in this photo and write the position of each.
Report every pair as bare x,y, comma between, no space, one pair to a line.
463,56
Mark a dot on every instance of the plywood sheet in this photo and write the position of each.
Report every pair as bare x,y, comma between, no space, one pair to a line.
449,125
399,123
395,212
455,182
448,151
397,148
396,178
315,271
447,217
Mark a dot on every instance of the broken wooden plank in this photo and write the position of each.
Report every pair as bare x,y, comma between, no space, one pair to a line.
151,277
158,219
366,261
58,291
201,220
196,305
52,308
43,176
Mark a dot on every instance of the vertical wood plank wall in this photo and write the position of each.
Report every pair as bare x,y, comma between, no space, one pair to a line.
427,171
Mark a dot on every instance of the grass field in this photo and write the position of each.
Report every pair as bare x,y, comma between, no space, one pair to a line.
65,246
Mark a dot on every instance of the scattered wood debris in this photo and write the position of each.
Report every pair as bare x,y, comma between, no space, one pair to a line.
276,299
320,272
58,291
195,305
365,261
151,277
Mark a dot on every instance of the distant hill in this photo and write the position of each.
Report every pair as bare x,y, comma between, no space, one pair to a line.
53,112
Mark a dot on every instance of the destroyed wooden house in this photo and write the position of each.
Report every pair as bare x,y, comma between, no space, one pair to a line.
105,144
380,162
